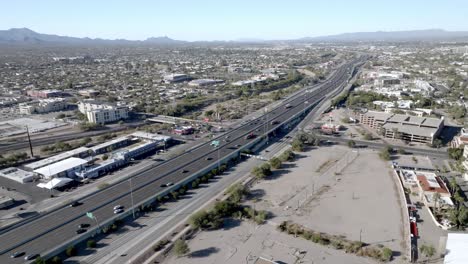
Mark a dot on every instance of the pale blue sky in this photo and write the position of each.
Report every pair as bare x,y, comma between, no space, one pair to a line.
228,20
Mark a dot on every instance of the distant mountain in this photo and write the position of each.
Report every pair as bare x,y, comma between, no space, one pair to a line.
28,37
163,40
412,35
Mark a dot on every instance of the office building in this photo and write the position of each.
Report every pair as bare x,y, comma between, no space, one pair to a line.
102,113
43,106
404,127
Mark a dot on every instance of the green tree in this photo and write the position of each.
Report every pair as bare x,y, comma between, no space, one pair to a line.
275,163
56,260
297,145
351,143
181,248
71,251
39,260
91,243
198,219
436,199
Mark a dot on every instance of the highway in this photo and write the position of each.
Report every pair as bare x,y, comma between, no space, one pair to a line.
57,227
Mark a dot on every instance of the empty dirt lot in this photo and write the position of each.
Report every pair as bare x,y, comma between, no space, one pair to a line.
336,190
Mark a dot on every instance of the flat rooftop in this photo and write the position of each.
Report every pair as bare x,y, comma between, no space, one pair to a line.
60,166
456,248
15,173
56,158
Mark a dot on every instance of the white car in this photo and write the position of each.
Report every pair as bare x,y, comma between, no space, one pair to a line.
118,211
117,207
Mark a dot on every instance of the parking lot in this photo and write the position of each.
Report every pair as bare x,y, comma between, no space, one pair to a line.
331,189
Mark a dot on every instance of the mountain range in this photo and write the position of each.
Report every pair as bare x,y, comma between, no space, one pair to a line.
27,36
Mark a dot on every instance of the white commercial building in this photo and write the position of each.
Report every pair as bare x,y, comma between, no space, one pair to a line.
43,106
456,249
17,175
80,152
64,168
102,113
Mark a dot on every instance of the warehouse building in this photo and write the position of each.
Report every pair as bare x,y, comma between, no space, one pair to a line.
62,169
80,152
404,127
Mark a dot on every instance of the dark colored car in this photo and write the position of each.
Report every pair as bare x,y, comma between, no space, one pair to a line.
17,254
75,204
31,256
80,226
80,231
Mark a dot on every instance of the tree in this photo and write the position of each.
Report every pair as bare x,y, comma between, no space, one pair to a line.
288,155
71,251
385,154
455,153
198,219
351,144
181,248
297,145
262,171
275,163
39,260
91,243
56,260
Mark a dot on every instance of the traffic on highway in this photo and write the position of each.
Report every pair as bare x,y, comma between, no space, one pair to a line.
49,231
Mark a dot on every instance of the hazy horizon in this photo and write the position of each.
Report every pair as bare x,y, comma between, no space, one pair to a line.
210,20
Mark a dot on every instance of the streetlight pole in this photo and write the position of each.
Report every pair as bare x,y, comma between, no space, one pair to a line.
131,197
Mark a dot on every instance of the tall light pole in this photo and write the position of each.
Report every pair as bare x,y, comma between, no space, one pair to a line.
30,144
131,197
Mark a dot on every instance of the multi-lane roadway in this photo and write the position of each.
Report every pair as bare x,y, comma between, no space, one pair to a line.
50,230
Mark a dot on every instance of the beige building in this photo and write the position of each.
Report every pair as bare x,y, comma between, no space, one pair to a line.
404,127
101,113
43,106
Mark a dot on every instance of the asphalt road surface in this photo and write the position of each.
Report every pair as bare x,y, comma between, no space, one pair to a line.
57,227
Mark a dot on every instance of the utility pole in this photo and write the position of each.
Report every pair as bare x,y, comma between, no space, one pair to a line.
30,144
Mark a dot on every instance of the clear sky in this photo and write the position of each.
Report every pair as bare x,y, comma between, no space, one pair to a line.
229,19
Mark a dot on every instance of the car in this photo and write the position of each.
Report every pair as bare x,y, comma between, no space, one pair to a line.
238,145
17,254
287,106
75,204
83,226
117,207
169,184
275,122
208,158
118,211
184,171
31,256
250,136
80,231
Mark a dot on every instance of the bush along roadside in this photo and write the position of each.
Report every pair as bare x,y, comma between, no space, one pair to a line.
378,252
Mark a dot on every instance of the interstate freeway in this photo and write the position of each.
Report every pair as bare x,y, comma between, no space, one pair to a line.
50,230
